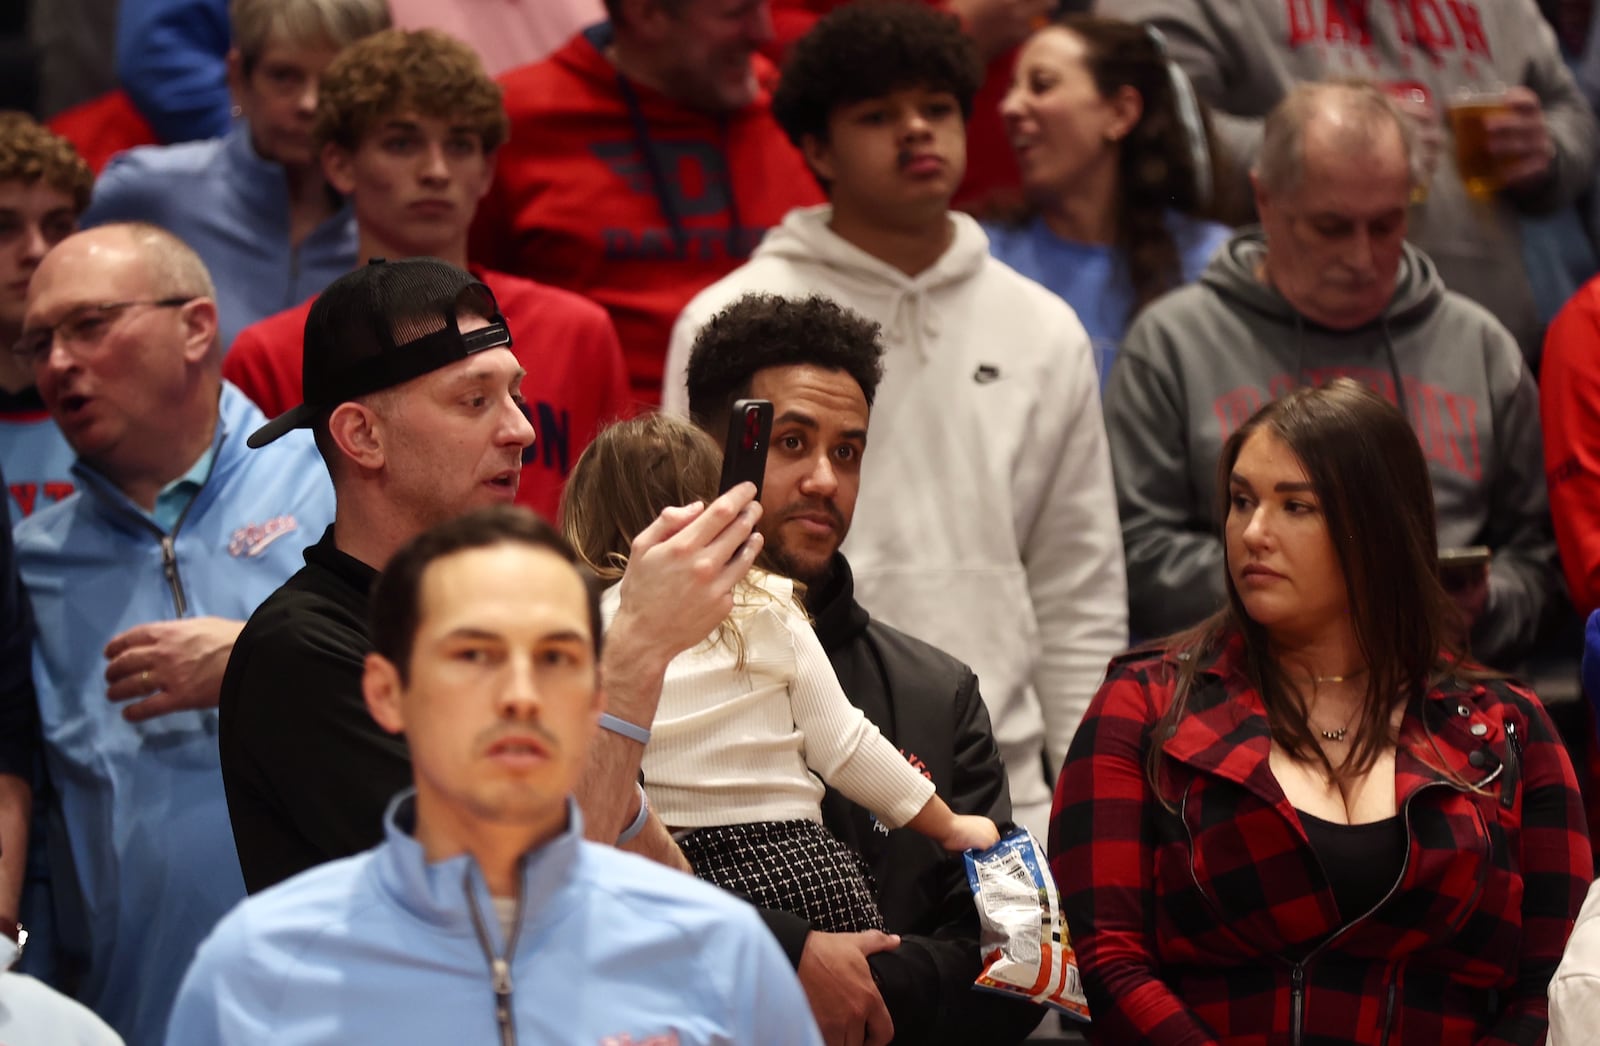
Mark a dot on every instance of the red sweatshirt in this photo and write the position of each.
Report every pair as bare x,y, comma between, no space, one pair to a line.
1569,408
575,202
991,165
576,382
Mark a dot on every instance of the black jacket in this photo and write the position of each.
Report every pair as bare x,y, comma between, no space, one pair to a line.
927,704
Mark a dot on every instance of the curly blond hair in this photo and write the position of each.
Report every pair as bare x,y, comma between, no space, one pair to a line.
31,153
422,70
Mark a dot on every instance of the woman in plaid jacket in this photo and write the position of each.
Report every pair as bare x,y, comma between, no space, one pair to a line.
1308,821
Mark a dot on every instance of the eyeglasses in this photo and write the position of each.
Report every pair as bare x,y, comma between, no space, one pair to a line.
83,328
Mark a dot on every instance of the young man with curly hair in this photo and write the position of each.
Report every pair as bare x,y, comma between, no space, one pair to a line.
44,187
987,523
408,124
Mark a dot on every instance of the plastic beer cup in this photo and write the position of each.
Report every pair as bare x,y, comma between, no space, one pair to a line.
1481,170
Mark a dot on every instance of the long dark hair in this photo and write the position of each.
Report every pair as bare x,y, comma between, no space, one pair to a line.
1368,472
1156,170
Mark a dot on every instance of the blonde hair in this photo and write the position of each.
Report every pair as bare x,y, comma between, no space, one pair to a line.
339,23
622,482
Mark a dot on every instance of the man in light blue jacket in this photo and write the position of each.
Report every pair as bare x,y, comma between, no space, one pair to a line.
484,916
173,520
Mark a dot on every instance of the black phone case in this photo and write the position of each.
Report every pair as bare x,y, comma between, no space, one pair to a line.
744,455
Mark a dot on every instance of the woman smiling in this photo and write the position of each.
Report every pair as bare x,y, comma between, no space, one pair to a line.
1117,171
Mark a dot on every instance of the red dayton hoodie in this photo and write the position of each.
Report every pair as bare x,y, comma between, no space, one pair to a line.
574,388
639,207
991,166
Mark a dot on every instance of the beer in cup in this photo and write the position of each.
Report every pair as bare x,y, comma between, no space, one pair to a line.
1481,171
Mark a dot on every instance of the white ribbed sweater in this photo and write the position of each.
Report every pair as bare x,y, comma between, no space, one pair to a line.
732,745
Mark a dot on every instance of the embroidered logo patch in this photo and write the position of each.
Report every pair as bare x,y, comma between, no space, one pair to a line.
253,539
664,1039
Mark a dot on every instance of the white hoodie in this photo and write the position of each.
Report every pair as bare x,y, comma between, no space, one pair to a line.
987,520
1575,988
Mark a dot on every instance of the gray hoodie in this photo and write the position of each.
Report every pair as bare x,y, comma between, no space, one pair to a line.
1199,362
1244,55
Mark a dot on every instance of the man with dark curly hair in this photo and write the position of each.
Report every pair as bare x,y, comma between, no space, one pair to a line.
987,524
407,127
820,365
643,165
44,187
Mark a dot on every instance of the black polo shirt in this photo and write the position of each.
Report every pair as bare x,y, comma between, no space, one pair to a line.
308,772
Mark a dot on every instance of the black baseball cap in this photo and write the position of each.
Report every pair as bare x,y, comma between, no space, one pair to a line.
382,325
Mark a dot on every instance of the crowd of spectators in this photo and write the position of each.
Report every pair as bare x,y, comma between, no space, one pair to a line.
297,296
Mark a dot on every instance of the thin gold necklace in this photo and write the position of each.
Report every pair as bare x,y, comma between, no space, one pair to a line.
1339,733
1335,735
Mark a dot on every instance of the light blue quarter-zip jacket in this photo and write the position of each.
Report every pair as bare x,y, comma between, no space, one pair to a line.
231,205
142,862
605,949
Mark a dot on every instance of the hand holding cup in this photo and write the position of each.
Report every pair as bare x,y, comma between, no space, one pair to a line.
1502,140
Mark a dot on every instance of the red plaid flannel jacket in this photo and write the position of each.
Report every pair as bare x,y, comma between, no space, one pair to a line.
1213,922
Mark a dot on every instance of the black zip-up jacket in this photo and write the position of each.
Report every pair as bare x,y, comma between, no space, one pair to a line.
927,704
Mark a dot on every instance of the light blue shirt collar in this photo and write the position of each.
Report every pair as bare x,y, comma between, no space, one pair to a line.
176,496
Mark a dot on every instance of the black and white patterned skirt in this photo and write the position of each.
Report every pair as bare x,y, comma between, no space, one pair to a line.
795,866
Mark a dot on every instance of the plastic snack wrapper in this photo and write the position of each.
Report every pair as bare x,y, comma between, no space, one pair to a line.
1027,951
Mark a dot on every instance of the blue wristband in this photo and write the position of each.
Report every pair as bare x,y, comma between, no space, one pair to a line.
637,826
632,731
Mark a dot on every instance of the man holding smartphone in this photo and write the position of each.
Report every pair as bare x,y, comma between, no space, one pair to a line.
820,365
988,522
413,397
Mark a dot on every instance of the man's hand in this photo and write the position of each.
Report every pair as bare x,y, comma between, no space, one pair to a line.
677,589
996,26
844,998
173,665
1520,139
678,586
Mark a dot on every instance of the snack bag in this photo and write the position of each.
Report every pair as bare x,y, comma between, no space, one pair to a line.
1026,949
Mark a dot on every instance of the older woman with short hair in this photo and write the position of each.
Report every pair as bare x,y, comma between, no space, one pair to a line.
254,204
1312,818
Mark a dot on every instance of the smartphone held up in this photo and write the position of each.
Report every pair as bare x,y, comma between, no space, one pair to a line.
744,454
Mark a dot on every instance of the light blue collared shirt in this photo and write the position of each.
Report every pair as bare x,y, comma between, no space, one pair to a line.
176,496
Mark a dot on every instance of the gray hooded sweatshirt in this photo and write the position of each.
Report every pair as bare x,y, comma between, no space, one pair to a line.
1197,363
1245,55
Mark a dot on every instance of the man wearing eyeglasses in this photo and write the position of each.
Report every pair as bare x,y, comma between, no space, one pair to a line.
173,521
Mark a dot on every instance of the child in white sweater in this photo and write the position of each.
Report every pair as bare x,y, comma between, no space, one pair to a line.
749,718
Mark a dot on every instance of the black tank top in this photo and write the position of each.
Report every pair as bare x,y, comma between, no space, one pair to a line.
1363,861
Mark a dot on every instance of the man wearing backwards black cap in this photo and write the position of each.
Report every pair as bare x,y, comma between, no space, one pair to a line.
411,396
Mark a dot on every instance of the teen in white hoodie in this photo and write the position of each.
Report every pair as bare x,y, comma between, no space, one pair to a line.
987,522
